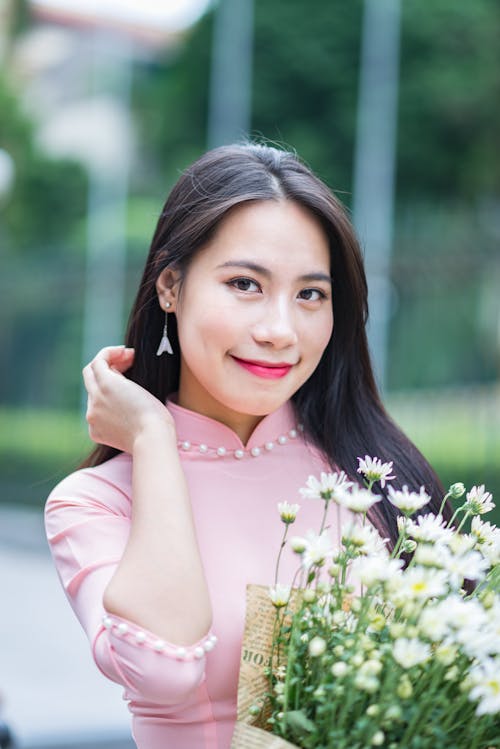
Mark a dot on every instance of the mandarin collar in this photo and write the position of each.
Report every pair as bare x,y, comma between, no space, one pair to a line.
199,429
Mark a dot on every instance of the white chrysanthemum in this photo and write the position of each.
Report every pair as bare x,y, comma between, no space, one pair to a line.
462,614
481,642
374,569
365,538
429,529
410,652
288,512
318,548
356,499
432,624
491,552
479,501
418,584
406,501
484,532
486,679
431,555
374,470
471,566
488,539
326,487
279,595
461,543
298,544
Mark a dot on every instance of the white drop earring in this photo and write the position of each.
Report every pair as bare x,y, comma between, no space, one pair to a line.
165,344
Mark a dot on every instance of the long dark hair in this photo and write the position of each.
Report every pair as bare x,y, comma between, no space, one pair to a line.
339,405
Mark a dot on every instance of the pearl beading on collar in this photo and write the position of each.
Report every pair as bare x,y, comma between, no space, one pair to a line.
254,452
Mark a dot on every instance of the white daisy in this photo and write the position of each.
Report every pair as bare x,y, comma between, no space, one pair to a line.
418,584
410,652
462,615
357,499
374,569
326,487
431,555
365,538
470,566
432,624
318,548
288,512
428,528
279,595
486,679
374,470
479,501
406,501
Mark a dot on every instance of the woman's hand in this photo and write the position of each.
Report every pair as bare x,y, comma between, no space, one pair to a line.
120,411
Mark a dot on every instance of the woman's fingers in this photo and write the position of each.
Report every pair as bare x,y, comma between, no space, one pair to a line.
89,379
115,358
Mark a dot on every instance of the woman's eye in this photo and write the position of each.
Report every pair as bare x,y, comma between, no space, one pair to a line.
244,284
312,295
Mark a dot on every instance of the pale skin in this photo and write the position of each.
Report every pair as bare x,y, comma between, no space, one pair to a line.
259,291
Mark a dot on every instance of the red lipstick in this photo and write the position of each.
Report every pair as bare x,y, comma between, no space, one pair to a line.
267,370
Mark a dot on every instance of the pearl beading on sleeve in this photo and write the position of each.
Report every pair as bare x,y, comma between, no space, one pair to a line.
135,635
239,454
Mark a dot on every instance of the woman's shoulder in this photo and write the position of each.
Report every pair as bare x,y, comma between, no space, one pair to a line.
108,483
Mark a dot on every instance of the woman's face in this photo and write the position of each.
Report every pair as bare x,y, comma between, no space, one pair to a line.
254,313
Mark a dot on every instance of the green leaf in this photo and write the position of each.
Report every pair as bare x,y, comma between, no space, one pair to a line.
298,723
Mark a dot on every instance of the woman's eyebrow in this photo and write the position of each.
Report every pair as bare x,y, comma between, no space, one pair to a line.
256,268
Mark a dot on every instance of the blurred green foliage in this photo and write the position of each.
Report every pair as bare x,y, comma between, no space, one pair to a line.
305,81
48,198
446,260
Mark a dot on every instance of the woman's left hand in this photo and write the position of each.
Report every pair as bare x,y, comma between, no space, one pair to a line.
119,410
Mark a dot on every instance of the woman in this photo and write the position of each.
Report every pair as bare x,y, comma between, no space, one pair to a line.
254,296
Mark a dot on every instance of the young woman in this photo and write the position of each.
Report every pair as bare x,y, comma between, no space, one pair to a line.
255,290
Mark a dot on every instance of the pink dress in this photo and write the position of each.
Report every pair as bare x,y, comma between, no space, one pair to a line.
185,698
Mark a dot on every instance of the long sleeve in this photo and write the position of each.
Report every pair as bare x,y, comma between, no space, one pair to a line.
87,520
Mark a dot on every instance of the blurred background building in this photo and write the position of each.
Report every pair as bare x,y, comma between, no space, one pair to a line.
394,104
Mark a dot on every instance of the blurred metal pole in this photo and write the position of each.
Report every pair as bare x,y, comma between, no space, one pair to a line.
106,226
374,163
229,116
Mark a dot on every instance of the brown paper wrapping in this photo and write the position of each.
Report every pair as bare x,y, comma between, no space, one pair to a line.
250,737
253,684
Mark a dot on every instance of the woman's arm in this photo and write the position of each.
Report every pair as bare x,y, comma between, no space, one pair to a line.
159,583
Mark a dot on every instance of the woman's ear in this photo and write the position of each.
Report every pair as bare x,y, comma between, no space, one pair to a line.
167,288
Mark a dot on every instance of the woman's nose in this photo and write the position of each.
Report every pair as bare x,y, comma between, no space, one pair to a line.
276,325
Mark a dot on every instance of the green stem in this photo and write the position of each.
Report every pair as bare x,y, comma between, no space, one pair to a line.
457,511
467,515
420,716
399,543
445,498
323,521
283,541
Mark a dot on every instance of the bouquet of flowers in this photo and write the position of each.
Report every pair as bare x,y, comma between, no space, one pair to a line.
369,651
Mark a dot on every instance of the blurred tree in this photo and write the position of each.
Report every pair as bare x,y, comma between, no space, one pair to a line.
449,100
48,199
305,93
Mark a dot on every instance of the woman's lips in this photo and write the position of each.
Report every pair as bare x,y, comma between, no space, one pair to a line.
261,369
